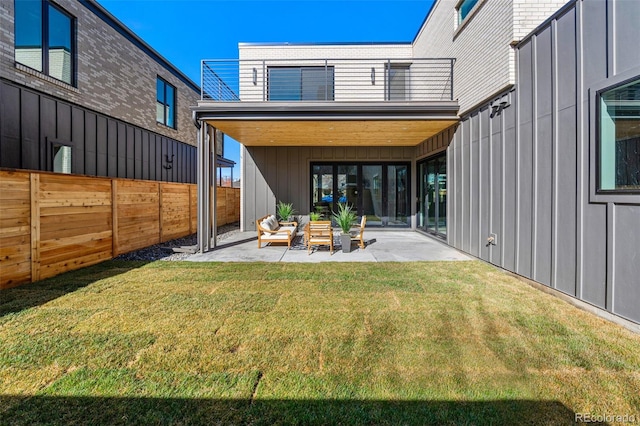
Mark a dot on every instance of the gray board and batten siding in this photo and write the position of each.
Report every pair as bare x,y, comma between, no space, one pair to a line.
101,145
527,172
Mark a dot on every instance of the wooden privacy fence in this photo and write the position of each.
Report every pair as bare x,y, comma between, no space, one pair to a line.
53,223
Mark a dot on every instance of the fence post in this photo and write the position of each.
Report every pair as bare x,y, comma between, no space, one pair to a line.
115,236
35,226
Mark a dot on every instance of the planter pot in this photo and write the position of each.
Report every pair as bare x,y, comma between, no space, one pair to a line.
345,239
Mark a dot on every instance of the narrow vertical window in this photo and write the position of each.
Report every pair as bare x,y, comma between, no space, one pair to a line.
59,46
165,103
45,39
28,33
619,145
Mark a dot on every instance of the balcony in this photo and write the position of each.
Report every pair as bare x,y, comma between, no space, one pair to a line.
321,102
348,80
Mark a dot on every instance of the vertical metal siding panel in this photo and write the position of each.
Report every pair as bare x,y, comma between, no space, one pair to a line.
495,172
525,159
594,229
129,151
269,176
509,160
90,150
249,170
63,122
30,130
467,179
78,138
282,175
10,115
543,157
626,289
121,152
101,146
112,148
458,192
626,35
474,201
159,158
137,154
566,160
145,155
485,183
47,129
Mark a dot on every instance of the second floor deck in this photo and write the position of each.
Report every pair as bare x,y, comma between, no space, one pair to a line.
328,80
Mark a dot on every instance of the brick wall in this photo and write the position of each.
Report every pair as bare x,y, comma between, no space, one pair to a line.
485,60
114,76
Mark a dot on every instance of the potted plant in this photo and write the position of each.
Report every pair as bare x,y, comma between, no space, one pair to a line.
345,217
315,216
285,211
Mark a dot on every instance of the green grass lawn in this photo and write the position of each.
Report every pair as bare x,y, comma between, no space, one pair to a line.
385,343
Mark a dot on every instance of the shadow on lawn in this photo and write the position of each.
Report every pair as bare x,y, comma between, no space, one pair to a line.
27,296
114,411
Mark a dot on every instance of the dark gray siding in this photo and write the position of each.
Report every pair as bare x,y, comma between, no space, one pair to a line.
271,174
102,146
527,172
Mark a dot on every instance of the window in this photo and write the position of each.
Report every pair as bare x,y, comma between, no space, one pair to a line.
464,8
45,39
301,83
619,144
397,82
165,103
60,156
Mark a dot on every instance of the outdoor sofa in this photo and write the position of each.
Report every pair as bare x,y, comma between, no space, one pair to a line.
272,231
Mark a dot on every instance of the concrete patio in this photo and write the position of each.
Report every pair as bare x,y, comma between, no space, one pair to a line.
381,246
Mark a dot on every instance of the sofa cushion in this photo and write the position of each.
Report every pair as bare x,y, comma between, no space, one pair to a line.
270,223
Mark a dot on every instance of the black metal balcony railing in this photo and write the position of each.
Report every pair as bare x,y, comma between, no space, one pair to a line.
415,79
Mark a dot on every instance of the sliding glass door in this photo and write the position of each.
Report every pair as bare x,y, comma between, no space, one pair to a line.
432,195
379,191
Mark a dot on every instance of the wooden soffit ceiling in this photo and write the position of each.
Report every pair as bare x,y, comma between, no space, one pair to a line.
329,123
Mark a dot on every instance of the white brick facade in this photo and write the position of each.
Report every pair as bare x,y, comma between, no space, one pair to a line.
485,60
114,76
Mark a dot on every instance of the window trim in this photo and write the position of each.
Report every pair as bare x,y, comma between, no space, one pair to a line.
44,26
461,23
164,103
597,195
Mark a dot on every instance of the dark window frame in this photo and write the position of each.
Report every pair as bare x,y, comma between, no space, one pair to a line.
329,95
166,105
384,182
598,140
44,26
51,145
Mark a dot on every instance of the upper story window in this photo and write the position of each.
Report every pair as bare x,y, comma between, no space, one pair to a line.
619,144
301,83
165,103
45,39
397,82
464,8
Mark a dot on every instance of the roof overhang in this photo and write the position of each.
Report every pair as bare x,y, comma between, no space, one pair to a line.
329,123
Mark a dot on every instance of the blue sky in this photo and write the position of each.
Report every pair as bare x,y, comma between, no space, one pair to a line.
186,31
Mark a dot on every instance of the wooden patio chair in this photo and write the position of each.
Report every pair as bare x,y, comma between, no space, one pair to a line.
357,232
318,233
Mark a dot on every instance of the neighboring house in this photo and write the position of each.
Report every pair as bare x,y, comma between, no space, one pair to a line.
529,159
81,93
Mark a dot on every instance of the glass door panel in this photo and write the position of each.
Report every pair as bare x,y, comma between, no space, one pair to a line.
372,194
348,186
442,196
431,196
398,211
322,189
